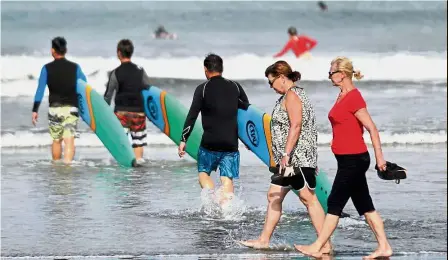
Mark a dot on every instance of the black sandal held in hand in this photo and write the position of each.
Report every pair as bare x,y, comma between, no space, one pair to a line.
392,172
286,172
276,174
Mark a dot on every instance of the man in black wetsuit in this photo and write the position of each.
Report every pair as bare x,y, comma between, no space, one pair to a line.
128,80
60,76
217,99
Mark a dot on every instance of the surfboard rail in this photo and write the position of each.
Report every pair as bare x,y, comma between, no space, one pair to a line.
100,117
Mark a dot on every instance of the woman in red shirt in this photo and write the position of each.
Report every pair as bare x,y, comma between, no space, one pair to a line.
349,117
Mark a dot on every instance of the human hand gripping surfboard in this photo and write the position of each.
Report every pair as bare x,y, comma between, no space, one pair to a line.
169,115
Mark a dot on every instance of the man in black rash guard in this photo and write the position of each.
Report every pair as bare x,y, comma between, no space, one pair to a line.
127,81
217,99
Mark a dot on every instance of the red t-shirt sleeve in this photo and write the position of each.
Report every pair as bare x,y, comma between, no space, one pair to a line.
356,102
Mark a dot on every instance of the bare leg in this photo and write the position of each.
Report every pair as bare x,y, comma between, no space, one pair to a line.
227,190
69,149
56,150
330,224
376,224
138,151
206,181
317,214
276,194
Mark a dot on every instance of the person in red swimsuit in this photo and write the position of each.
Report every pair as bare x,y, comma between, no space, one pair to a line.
349,117
299,44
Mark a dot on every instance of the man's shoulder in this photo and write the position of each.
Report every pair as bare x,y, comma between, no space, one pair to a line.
233,83
72,63
130,66
202,85
64,61
138,67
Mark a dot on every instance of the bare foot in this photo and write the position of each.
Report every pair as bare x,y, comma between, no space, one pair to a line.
380,253
257,244
67,162
327,249
311,250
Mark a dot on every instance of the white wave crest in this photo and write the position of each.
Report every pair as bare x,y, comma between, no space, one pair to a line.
22,139
397,67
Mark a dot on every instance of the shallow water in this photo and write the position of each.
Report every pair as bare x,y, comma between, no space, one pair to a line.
97,208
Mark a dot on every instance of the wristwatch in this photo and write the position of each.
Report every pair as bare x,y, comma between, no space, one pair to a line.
285,154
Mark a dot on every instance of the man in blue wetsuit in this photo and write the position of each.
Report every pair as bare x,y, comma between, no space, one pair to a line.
218,100
61,76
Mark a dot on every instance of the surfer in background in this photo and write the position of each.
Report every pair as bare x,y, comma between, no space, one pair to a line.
61,76
161,33
349,117
217,100
294,146
299,44
127,82
322,5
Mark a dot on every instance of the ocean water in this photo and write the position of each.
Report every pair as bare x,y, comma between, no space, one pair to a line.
97,209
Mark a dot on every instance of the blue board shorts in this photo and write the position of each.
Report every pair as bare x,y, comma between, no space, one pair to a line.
227,162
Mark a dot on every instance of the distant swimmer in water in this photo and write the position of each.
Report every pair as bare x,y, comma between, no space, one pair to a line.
322,5
162,33
299,44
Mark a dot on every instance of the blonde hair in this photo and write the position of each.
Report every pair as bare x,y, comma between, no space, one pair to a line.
344,64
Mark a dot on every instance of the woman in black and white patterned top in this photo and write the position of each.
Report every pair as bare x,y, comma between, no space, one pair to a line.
304,153
294,145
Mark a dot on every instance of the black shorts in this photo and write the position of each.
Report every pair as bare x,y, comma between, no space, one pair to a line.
351,182
305,176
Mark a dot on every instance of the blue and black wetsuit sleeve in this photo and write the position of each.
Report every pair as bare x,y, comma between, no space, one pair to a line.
42,83
193,113
112,87
80,74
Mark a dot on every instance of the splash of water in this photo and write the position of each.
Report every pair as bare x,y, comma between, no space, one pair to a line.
216,204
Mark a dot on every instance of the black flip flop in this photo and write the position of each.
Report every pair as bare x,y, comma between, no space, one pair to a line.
392,172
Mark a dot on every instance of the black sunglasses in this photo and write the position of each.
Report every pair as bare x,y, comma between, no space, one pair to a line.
272,83
330,74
